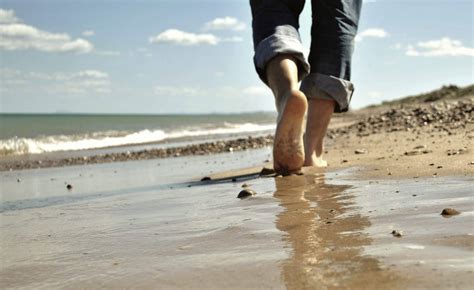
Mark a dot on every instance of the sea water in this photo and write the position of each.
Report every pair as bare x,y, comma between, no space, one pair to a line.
22,134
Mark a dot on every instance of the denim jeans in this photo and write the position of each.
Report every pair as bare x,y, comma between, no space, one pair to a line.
327,72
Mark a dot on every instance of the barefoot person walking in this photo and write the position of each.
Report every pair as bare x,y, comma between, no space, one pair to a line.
325,76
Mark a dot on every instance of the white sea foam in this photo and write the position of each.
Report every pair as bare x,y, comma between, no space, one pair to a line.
19,146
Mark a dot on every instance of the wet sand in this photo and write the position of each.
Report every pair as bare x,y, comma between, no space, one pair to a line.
139,224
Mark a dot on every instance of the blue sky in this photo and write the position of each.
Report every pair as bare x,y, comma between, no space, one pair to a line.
196,56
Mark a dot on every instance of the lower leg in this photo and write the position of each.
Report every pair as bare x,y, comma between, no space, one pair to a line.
319,115
288,149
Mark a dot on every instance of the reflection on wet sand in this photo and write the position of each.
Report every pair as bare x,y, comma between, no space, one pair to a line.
326,239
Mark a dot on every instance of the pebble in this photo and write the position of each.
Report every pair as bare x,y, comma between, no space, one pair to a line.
412,153
443,117
18,180
245,185
450,211
205,178
397,234
360,151
245,193
69,186
267,171
420,147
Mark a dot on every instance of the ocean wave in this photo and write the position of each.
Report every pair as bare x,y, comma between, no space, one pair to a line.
96,140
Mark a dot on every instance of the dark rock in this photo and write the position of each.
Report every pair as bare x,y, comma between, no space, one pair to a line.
412,153
360,151
205,178
397,234
267,171
245,185
69,186
420,147
450,211
245,193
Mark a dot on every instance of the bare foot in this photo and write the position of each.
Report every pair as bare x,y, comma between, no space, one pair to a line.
288,148
313,160
319,115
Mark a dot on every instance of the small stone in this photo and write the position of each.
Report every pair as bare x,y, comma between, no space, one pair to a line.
344,161
245,185
439,167
18,180
420,147
450,211
234,179
412,153
245,193
267,171
360,151
397,234
205,178
69,186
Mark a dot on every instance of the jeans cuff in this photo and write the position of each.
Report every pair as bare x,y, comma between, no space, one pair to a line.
321,86
285,40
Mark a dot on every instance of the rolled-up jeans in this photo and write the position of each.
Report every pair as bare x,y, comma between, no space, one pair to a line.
327,72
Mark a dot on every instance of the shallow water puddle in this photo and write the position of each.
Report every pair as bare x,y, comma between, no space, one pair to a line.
319,230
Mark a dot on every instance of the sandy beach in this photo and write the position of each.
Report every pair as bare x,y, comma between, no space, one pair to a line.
371,220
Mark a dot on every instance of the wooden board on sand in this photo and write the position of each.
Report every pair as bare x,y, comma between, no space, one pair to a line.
241,174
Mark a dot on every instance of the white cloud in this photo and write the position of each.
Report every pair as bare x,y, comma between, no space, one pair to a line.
440,47
144,51
258,90
85,81
107,52
371,33
88,33
176,36
171,91
179,37
8,16
19,36
397,46
231,39
92,74
227,22
228,91
374,94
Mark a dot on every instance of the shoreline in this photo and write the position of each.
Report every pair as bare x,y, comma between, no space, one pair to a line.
389,141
